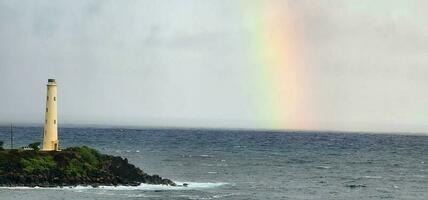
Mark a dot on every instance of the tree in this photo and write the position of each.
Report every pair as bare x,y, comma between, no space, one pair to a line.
35,146
1,145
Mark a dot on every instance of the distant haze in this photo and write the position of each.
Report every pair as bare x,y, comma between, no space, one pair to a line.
184,63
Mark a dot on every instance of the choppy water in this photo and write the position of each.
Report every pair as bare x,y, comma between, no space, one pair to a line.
221,164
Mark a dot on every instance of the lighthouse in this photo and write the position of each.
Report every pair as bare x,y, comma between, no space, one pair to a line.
50,136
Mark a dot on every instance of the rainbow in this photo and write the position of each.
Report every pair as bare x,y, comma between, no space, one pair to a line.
278,65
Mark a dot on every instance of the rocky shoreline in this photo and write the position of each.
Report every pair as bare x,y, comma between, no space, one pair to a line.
70,167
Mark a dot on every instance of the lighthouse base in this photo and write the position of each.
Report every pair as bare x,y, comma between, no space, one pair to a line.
50,146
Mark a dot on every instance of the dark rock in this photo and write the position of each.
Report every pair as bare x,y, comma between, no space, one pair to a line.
70,167
353,186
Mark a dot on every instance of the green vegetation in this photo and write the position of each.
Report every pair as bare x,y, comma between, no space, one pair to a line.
1,145
71,166
35,146
76,161
37,164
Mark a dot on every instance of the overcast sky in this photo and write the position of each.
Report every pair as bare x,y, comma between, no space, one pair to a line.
184,63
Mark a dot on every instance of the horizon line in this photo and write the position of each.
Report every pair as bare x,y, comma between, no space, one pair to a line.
136,127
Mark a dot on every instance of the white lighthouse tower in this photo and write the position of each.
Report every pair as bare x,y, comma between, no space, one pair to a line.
50,136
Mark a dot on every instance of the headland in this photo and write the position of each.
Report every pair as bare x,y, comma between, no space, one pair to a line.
70,167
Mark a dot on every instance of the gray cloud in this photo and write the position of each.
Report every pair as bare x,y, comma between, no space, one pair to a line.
185,63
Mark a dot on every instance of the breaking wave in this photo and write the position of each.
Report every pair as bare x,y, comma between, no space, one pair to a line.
190,186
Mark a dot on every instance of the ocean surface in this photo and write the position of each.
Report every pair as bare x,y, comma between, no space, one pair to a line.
221,164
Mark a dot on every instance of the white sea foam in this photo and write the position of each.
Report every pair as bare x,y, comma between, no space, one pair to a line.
190,186
373,177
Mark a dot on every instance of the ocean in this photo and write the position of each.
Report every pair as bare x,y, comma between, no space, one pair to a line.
234,164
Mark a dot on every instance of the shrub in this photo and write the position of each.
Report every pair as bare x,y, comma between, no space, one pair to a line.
37,164
88,155
35,146
85,161
75,168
